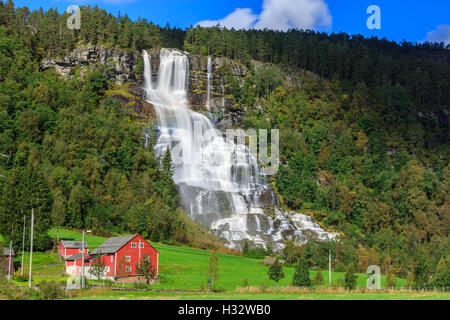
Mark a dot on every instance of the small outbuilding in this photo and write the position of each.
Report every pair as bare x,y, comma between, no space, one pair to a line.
8,266
69,248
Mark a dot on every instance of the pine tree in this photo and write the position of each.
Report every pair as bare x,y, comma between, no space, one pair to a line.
245,249
318,278
276,272
350,276
390,280
301,275
167,166
441,278
422,271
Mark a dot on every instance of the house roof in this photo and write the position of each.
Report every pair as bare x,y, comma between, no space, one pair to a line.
112,245
78,257
74,257
6,251
74,244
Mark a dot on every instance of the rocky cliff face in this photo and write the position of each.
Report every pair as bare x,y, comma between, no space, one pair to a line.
120,66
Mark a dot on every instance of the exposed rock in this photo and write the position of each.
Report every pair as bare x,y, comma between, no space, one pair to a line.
119,65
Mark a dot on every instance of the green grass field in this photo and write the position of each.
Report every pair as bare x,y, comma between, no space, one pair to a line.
114,295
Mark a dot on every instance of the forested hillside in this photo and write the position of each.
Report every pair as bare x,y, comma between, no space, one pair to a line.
364,138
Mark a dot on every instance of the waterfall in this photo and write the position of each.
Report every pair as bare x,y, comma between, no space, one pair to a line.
148,71
219,181
208,98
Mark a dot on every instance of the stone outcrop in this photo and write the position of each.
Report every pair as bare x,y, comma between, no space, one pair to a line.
120,66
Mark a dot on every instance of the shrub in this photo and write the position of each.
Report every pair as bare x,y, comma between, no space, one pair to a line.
350,277
318,278
51,290
20,278
301,274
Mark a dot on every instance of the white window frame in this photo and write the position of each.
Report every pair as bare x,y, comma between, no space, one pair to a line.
142,245
107,269
127,258
112,258
133,245
128,269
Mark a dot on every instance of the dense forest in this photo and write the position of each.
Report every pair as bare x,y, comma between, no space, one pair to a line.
364,138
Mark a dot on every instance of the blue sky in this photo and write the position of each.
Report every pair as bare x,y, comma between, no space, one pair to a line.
412,20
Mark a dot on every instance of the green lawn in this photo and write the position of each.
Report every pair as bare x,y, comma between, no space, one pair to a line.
114,295
93,241
185,269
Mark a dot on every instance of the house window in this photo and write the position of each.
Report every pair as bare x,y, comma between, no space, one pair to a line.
128,269
141,245
107,269
128,259
80,250
133,245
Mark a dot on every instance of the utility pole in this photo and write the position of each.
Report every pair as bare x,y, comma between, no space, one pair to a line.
31,248
23,243
10,251
82,263
9,262
329,269
83,281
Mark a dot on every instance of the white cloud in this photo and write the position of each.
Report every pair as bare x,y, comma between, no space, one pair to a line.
441,34
278,15
302,14
238,19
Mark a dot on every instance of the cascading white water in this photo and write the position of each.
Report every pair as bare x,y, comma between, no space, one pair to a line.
219,181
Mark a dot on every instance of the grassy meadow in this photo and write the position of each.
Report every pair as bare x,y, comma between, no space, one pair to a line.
116,295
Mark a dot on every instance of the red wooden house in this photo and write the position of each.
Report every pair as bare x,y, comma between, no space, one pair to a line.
121,255
69,248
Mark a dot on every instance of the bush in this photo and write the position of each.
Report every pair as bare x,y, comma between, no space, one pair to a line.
17,293
141,285
20,278
318,278
350,277
301,275
51,290
391,281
